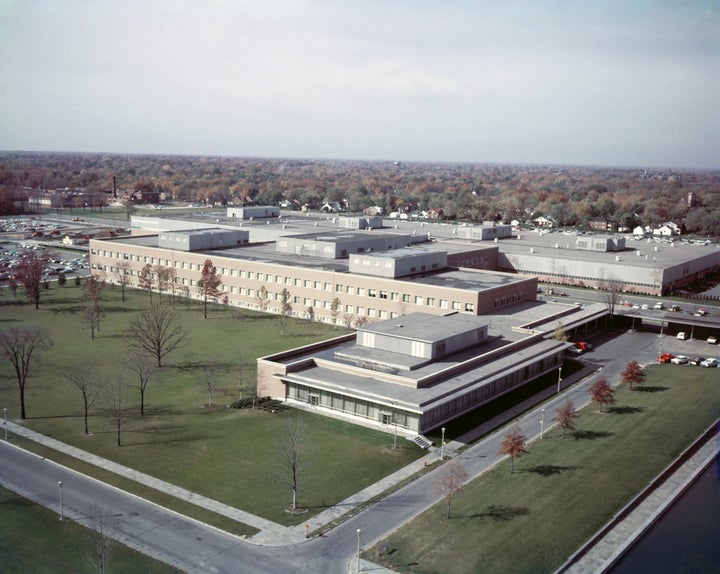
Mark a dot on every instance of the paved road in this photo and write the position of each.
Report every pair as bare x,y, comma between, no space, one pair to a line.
194,547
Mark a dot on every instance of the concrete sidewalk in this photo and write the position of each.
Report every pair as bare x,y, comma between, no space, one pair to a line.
270,533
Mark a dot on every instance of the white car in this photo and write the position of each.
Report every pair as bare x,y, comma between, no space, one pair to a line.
679,360
710,363
712,339
682,335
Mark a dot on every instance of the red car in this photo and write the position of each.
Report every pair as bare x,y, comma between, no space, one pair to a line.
665,358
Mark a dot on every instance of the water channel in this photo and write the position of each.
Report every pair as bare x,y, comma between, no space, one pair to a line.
686,539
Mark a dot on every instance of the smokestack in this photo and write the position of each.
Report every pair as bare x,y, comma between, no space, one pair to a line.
114,188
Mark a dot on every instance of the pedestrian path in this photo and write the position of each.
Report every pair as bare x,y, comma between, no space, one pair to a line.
270,533
142,478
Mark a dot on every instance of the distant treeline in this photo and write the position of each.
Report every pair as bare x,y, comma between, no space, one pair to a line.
569,195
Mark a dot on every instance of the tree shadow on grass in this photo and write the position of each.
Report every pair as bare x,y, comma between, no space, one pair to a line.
591,435
164,437
651,389
549,469
499,513
625,410
69,309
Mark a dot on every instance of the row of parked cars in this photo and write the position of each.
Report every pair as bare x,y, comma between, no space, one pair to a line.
683,360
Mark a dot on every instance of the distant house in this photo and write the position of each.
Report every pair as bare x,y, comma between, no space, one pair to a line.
543,221
435,213
601,223
331,207
667,229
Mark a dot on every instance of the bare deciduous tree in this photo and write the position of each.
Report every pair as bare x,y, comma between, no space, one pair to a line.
87,380
156,331
293,457
20,344
145,279
102,546
92,293
30,273
123,273
452,480
142,369
117,405
211,369
611,287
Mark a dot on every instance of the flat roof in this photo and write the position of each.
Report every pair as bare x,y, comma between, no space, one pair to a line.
668,254
340,235
425,326
470,279
370,387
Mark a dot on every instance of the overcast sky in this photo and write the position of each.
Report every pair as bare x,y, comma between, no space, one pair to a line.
602,82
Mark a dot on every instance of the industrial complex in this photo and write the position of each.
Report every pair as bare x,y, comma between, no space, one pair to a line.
446,317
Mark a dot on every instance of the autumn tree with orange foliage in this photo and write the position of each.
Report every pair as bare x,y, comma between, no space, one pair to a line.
565,416
633,373
513,444
602,393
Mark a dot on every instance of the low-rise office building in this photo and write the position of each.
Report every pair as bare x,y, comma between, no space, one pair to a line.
420,371
323,288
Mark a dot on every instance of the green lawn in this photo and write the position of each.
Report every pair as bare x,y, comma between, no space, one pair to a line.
56,547
226,454
565,489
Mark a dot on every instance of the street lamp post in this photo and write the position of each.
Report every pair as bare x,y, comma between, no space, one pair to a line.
442,445
5,421
358,549
542,422
559,378
60,485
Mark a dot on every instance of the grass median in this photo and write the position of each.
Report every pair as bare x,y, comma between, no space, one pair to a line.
55,547
565,488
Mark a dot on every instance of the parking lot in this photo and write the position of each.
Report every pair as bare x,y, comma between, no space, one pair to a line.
693,349
20,234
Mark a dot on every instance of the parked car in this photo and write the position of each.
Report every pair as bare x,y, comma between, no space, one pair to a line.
665,358
682,335
712,339
675,308
583,346
659,305
575,351
696,360
710,363
679,360
700,313
645,306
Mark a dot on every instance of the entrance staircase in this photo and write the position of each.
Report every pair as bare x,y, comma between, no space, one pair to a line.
421,441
